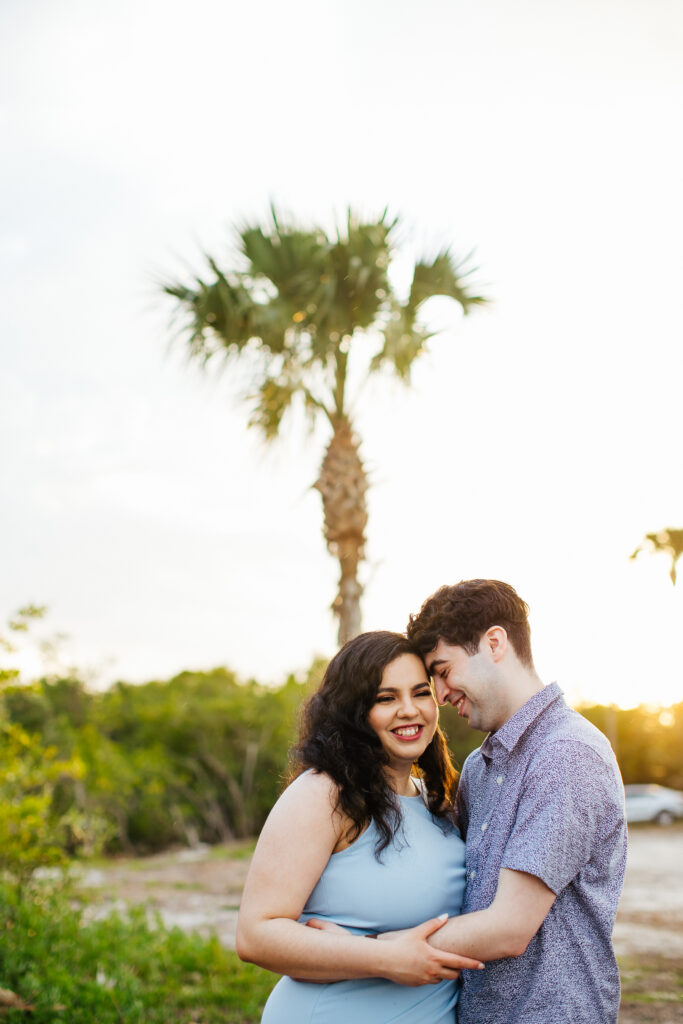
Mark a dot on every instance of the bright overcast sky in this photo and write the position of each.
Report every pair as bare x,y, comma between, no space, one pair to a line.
542,437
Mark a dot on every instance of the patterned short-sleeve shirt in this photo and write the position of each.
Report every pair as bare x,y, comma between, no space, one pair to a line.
544,795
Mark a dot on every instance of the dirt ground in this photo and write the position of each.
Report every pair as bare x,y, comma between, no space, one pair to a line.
200,890
648,935
650,918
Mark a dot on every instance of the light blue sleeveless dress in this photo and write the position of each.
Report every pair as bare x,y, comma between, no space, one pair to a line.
421,875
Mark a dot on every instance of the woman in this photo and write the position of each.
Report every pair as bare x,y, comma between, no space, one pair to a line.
364,838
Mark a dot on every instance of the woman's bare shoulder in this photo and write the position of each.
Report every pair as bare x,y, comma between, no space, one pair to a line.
313,798
308,806
314,786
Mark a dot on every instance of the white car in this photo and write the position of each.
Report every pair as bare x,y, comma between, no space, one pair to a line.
653,803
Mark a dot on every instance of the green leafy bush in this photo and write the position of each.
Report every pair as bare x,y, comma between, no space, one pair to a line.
119,968
31,832
201,757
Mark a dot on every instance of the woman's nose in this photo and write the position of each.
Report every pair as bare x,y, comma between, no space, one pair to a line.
407,708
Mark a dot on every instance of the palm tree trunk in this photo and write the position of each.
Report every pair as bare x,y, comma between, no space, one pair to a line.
343,484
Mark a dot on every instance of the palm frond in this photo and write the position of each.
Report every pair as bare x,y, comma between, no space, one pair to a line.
443,276
291,259
403,342
404,337
359,286
271,401
669,541
219,314
328,288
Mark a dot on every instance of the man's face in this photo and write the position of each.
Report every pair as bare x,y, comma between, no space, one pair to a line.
470,682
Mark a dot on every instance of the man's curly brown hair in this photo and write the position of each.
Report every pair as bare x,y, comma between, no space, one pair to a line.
462,613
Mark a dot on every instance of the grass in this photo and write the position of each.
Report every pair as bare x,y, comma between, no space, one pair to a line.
651,990
121,969
126,970
239,850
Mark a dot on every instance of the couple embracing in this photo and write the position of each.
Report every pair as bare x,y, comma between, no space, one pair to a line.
491,898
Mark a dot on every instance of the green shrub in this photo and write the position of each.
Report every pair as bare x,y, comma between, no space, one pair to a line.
118,969
31,834
200,757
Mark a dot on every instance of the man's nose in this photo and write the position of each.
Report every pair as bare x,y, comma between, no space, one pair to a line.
441,691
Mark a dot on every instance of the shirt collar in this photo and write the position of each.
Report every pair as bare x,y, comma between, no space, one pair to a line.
509,734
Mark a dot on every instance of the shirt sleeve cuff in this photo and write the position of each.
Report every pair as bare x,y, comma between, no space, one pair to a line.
538,871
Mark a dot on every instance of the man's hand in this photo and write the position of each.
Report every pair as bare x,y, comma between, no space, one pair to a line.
412,961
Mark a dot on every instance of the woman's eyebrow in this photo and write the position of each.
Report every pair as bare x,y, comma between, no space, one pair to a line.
393,689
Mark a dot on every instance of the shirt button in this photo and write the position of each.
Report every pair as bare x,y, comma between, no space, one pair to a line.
473,874
484,827
499,779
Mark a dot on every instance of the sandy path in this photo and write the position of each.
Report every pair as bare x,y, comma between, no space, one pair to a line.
197,890
200,889
650,918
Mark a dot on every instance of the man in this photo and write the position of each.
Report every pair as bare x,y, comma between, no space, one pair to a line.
541,804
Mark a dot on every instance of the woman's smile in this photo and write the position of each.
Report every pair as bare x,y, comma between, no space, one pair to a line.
408,732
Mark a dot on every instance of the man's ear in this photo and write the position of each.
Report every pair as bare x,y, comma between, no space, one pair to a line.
496,640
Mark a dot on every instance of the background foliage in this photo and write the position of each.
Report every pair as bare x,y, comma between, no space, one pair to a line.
200,757
63,968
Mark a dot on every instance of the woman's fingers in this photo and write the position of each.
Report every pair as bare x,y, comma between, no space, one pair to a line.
454,960
465,963
448,975
325,926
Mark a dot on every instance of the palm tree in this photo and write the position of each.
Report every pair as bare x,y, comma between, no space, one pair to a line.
297,307
669,540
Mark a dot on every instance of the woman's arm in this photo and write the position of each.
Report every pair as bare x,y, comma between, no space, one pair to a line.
296,843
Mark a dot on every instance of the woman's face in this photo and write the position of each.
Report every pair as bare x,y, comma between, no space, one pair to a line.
405,714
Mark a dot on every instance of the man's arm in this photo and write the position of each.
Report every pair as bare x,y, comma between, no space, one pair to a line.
506,927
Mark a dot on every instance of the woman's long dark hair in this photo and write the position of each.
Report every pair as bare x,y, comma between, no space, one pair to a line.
335,738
